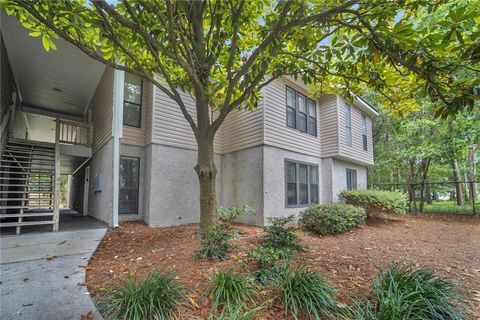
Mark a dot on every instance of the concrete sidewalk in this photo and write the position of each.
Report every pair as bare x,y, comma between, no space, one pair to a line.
42,275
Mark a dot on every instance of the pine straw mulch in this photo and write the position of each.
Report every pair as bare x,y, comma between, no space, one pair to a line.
449,245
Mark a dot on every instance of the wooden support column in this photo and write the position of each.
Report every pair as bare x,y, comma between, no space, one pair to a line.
117,131
56,200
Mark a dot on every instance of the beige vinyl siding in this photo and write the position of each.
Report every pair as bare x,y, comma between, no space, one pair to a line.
137,136
170,127
242,129
102,109
277,133
7,81
328,125
355,151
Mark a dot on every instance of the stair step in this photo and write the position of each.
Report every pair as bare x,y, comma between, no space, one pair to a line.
32,142
13,178
20,224
31,192
45,158
32,161
26,215
26,199
32,152
25,207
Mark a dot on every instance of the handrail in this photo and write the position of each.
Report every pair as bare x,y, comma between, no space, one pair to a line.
71,132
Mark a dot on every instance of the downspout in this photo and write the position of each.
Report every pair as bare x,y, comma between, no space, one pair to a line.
117,126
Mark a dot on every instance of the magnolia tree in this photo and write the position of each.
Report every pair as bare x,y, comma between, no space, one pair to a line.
224,52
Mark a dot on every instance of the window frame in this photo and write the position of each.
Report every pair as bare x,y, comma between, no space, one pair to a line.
349,172
140,105
297,183
138,185
364,132
296,94
348,124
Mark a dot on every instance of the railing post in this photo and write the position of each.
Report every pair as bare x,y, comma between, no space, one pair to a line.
56,201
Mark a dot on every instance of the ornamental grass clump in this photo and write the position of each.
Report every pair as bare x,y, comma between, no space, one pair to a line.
376,202
306,292
230,292
404,292
157,297
332,218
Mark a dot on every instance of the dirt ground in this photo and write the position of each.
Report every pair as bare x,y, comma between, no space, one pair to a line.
449,245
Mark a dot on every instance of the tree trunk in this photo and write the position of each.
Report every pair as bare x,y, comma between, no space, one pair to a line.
207,173
471,172
428,191
458,183
424,167
411,186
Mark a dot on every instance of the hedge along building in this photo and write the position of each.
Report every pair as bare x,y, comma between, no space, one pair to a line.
293,151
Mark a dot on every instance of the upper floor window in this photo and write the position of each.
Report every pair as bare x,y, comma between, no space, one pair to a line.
301,112
348,124
301,184
364,132
351,179
132,101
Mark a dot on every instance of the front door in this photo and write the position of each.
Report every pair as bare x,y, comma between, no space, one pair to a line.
129,176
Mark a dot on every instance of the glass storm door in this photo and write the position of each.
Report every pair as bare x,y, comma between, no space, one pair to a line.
129,176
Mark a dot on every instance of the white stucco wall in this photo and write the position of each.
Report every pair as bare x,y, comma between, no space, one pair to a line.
339,175
171,190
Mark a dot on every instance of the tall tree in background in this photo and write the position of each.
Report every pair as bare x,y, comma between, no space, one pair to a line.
224,52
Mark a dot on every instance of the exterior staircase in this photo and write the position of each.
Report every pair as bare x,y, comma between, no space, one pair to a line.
27,185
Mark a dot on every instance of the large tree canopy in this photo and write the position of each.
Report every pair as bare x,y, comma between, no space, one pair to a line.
223,52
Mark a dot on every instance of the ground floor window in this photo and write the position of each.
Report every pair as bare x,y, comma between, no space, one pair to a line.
351,179
301,184
129,177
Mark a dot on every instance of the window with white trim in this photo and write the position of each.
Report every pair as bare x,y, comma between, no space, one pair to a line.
351,179
301,181
348,124
132,101
364,132
301,112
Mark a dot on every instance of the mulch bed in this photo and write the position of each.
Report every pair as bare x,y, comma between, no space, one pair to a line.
449,245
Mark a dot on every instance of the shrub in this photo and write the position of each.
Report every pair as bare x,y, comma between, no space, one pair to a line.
376,202
332,218
402,292
230,290
280,233
216,244
271,261
306,292
226,217
156,297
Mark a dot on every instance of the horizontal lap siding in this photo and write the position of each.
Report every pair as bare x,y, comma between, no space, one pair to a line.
328,125
7,82
355,151
276,131
137,136
170,127
102,109
242,129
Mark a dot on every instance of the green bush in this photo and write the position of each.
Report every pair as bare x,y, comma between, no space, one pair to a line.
227,216
376,202
156,297
230,291
306,292
216,244
271,262
280,233
332,218
403,292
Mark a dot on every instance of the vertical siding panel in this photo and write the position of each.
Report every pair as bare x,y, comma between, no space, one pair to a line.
102,108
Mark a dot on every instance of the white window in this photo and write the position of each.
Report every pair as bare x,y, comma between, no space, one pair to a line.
348,124
301,180
364,132
301,112
132,101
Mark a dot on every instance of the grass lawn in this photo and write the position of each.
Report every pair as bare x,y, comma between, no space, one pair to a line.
450,207
447,244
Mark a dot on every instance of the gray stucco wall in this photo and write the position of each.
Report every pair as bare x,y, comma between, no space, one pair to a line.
339,174
100,203
243,182
274,180
171,186
137,152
